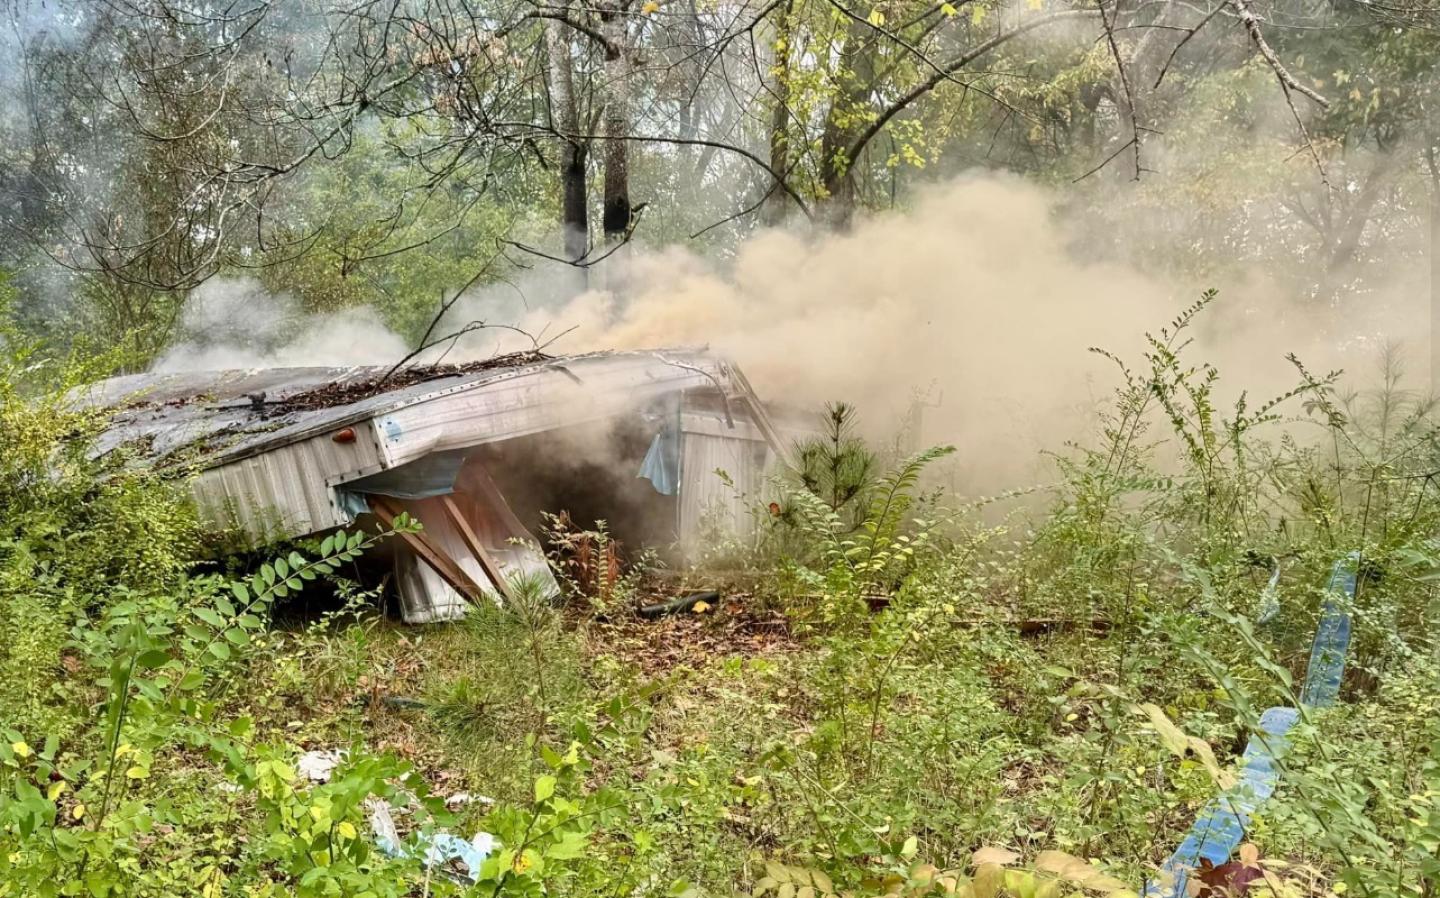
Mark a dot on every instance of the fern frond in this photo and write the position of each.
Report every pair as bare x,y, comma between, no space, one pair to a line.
893,496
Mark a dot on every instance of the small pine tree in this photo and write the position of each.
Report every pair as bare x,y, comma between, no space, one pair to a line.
837,467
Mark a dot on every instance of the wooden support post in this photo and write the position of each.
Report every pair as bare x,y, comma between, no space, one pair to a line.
487,561
428,552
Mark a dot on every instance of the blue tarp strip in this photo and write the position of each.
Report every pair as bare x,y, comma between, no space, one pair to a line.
1332,637
430,475
1221,824
662,460
1270,596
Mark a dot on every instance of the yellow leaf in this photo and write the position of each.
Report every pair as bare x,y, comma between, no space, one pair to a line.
1182,745
702,607
948,10
992,854
20,748
1078,871
877,18
346,829
988,879
136,773
214,885
1067,866
77,812
56,789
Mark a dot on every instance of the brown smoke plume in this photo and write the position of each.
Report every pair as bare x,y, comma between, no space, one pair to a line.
972,301
977,303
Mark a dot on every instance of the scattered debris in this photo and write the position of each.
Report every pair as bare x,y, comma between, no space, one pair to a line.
347,392
316,766
659,645
680,604
460,799
437,851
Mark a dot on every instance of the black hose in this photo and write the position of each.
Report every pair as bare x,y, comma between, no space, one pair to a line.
678,605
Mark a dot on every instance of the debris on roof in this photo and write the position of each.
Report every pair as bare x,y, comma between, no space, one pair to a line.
291,452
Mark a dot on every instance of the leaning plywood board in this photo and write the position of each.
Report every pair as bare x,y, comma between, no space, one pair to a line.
476,530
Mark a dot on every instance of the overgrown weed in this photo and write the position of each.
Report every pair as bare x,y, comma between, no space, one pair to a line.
1077,681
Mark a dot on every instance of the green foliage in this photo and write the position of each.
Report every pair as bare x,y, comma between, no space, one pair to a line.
318,837
76,533
590,565
1065,688
837,467
79,812
848,554
81,809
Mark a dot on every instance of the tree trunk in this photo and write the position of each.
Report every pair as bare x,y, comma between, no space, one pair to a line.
777,202
564,118
837,169
615,215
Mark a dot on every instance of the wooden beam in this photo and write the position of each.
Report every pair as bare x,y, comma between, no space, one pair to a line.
451,572
487,561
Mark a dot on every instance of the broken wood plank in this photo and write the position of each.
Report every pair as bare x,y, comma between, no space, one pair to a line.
448,569
472,541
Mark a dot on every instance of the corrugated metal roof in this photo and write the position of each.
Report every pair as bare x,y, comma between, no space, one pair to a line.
261,443
224,416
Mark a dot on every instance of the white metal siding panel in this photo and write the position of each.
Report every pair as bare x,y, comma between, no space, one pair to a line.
287,491
707,503
536,401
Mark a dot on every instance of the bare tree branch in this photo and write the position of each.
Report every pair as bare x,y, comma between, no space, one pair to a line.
1287,80
954,65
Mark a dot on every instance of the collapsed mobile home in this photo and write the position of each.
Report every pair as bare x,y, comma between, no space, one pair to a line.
669,446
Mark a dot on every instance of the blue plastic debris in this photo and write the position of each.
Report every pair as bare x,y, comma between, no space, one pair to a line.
662,463
436,850
1332,637
1270,596
662,460
1221,824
